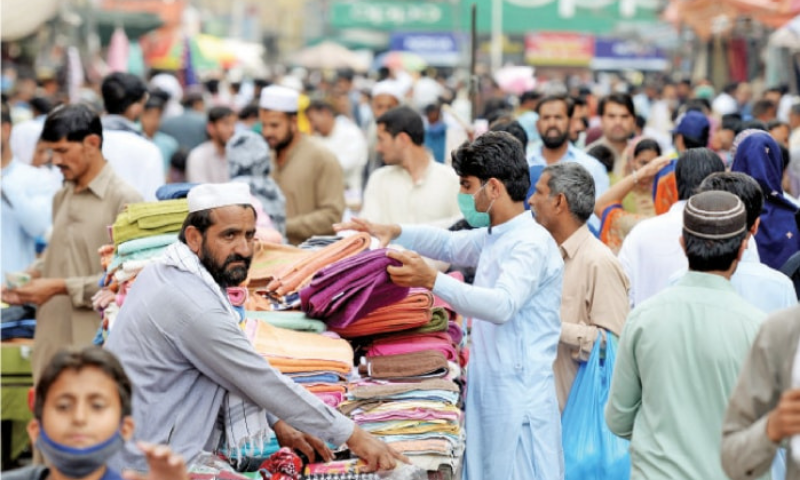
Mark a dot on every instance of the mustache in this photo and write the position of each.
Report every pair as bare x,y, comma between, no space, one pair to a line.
237,258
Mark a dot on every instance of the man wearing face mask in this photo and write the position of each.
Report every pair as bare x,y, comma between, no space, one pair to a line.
555,114
178,338
512,412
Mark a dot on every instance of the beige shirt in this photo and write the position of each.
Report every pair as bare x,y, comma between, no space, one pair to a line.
392,196
206,165
595,295
766,374
80,228
312,181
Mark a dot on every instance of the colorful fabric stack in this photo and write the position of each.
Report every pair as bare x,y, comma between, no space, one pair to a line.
322,363
278,272
148,219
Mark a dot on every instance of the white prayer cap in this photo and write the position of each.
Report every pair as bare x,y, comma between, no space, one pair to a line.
216,195
279,99
388,87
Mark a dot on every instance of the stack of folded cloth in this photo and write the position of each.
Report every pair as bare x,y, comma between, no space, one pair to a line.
410,401
148,219
322,363
414,312
278,272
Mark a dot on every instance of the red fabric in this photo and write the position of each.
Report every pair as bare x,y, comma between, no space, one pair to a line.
666,193
282,465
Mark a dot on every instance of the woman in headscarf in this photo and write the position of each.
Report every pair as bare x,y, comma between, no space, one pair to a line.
248,158
759,156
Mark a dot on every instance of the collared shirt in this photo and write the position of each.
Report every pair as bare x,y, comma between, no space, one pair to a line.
26,214
651,253
312,181
392,196
206,164
136,160
80,227
595,296
762,286
766,375
515,303
184,351
349,144
678,360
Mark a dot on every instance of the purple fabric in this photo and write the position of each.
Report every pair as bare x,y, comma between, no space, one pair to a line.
345,291
454,330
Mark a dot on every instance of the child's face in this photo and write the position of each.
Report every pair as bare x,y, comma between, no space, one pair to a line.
82,409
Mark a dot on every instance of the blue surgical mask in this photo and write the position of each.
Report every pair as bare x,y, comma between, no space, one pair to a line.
78,462
476,219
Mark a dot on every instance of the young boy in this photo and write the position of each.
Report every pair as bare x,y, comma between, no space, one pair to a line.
82,416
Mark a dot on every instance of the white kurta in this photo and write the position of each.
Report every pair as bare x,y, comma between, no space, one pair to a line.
512,417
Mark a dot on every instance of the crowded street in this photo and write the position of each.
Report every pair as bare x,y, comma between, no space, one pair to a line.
400,240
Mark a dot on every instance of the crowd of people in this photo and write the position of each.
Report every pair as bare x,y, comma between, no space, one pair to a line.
662,217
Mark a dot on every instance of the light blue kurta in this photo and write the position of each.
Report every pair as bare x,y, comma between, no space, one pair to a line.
512,418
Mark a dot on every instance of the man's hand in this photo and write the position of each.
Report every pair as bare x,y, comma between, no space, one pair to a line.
415,272
384,233
310,445
784,420
377,455
102,299
163,463
38,291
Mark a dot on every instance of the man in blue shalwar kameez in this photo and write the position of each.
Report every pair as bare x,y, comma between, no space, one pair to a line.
512,418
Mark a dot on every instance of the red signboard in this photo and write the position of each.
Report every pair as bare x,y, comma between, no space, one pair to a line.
555,49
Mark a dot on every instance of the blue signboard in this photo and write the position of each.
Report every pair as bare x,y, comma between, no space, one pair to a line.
615,54
438,49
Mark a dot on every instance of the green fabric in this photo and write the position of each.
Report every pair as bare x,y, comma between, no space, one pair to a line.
147,219
16,381
289,320
678,360
438,322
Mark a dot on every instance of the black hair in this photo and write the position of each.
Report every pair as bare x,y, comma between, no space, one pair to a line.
640,121
345,74
202,221
218,113
74,359
73,122
530,95
433,107
495,155
775,123
212,85
763,106
403,120
693,167
191,98
514,128
578,101
160,94
752,125
493,108
6,113
121,90
156,102
730,88
702,105
249,111
604,155
319,104
618,98
741,185
41,105
706,255
646,145
731,121
557,98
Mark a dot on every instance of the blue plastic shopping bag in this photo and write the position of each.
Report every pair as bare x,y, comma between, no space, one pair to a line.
591,451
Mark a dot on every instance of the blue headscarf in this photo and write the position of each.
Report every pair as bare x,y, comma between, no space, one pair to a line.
778,238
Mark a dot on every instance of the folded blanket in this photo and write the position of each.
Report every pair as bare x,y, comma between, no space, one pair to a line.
437,323
417,365
414,343
293,276
146,243
290,320
146,219
269,259
351,288
291,351
376,390
412,312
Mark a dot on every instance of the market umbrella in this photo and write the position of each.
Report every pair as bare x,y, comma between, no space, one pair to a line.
515,79
401,60
328,55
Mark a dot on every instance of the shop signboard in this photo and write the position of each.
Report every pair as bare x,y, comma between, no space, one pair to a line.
439,49
559,49
392,15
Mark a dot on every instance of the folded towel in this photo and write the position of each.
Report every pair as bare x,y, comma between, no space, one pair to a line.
147,219
412,312
414,343
351,288
421,364
290,320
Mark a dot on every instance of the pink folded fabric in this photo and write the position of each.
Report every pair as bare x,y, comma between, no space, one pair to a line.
332,399
397,344
237,296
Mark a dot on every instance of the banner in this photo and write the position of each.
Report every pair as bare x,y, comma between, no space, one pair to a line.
615,54
554,49
439,49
